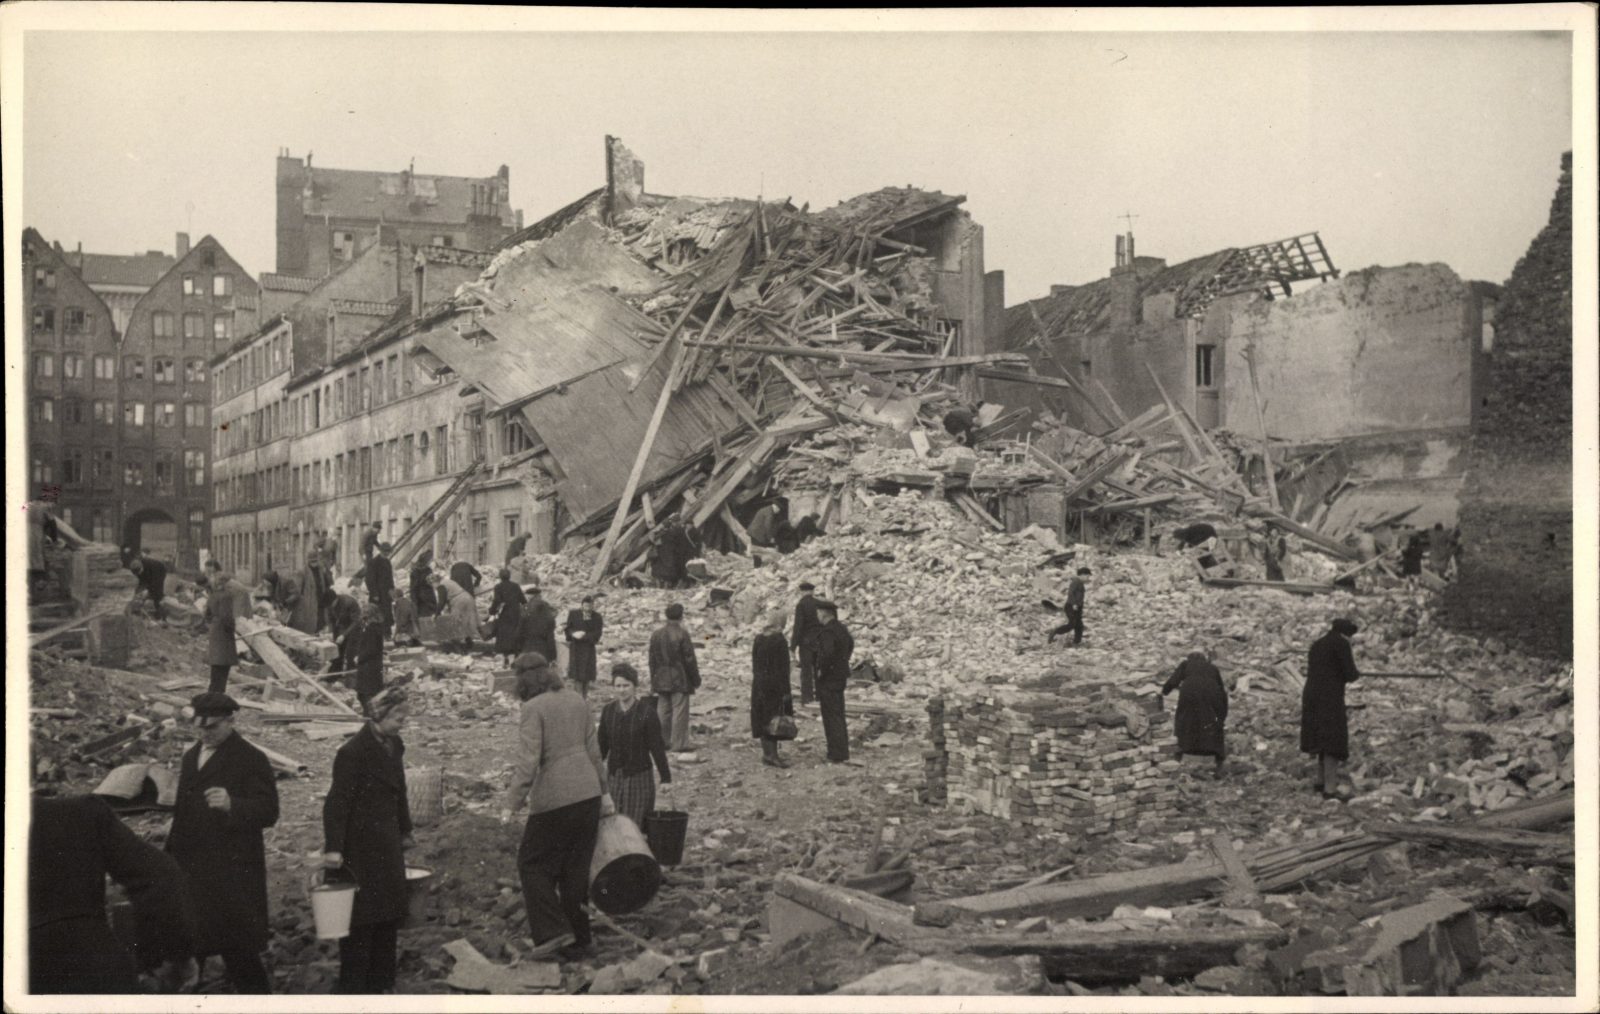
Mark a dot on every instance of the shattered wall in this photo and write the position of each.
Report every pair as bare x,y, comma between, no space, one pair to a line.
1379,350
1516,523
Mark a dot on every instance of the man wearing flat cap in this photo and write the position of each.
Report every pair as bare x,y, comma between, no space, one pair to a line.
226,798
1074,609
1324,726
802,638
833,645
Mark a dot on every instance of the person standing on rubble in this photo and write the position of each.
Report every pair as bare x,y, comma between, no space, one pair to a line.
422,590
674,677
74,843
330,557
630,740
516,547
561,777
152,575
1324,724
770,690
227,798
305,598
366,828
538,631
380,584
466,575
802,641
369,542
343,617
1076,592
461,607
1273,560
582,632
1202,708
363,650
959,423
834,646
505,616
406,630
225,603
670,553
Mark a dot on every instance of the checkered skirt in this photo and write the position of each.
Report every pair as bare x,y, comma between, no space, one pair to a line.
634,795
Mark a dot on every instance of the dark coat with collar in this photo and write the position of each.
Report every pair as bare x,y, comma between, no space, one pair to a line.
380,585
1202,706
223,853
1324,726
223,608
364,817
769,681
834,646
581,664
806,623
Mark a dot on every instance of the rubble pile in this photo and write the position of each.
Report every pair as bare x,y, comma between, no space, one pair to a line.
1069,760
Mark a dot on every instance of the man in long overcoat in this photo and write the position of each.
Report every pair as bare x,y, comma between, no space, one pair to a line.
769,687
538,630
380,585
582,632
343,618
1324,726
223,610
801,641
834,647
674,676
227,797
304,596
505,616
1202,707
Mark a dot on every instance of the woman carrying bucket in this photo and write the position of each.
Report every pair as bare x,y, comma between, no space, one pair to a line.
630,739
366,824
561,777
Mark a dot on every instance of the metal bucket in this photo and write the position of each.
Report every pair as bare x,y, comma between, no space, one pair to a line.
623,875
417,880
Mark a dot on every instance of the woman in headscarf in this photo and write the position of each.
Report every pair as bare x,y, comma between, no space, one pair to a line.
462,609
363,648
505,615
770,689
630,739
1324,726
1202,708
366,825
561,777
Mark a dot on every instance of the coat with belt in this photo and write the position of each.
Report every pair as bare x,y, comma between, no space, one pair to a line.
304,600
834,646
673,667
223,609
769,682
505,616
223,852
73,844
365,817
1324,726
581,651
558,759
1202,706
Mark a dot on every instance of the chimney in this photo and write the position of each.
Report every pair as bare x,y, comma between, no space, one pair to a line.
1122,251
419,278
333,330
183,245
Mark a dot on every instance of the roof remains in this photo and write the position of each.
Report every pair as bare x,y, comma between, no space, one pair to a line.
142,270
403,196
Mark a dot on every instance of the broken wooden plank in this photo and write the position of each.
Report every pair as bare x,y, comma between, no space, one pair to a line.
1530,845
1358,568
625,501
282,761
1242,891
1093,956
260,640
1112,462
1298,588
35,640
308,644
1312,536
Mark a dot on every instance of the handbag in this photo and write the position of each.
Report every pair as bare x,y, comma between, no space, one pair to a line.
782,727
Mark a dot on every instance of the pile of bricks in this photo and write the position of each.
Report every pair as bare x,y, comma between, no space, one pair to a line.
1084,760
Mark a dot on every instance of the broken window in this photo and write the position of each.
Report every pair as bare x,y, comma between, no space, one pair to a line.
1202,365
194,371
422,452
133,413
44,410
191,285
133,473
44,365
44,318
45,277
166,413
105,467
165,370
164,473
344,245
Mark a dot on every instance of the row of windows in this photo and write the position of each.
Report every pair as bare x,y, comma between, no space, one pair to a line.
253,429
252,489
285,550
253,366
418,455
79,321
195,285
98,466
72,412
163,369
74,320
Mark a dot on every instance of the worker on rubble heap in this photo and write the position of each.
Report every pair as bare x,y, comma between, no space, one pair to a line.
380,584
466,575
1273,558
363,649
834,646
1324,725
516,547
1190,536
582,631
801,641
369,541
674,676
1076,591
423,594
959,423
505,616
538,629
227,797
305,600
1202,708
74,843
343,616
226,601
152,575
406,629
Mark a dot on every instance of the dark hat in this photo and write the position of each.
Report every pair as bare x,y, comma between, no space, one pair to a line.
384,547
807,586
529,660
675,611
1346,627
588,598
1084,570
212,705
825,604
624,671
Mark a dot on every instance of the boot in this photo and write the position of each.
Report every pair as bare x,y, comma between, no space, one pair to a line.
769,753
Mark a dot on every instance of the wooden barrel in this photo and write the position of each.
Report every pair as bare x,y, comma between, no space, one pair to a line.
425,794
623,875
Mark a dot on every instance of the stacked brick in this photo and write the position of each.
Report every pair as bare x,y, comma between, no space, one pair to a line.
1086,761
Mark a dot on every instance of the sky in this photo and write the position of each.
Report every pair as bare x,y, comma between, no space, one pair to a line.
1396,147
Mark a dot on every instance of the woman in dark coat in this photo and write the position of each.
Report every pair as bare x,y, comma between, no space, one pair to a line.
366,825
770,693
1202,707
630,740
422,590
466,575
505,616
538,632
363,647
1324,727
583,630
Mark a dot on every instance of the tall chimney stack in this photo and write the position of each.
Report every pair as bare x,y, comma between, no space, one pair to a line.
183,245
419,277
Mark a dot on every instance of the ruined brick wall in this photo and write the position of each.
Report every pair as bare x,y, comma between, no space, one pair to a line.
1516,522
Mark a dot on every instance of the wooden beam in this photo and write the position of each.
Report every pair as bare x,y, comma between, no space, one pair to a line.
1287,586
1358,568
1311,535
645,446
1261,424
35,640
257,635
1112,462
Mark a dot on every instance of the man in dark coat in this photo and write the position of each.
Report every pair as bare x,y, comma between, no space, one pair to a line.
227,797
769,687
422,590
366,826
516,547
1202,708
305,597
673,551
505,616
363,648
369,542
674,677
1193,535
959,423
1324,726
343,616
152,575
380,585
538,631
801,643
467,576
74,843
834,646
222,612
1076,591
809,528
582,632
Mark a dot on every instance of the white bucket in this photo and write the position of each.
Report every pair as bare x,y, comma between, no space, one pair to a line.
331,905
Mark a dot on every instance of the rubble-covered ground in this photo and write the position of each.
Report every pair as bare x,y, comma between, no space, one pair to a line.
939,605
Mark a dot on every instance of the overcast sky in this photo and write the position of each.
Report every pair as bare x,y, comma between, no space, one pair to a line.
1396,147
